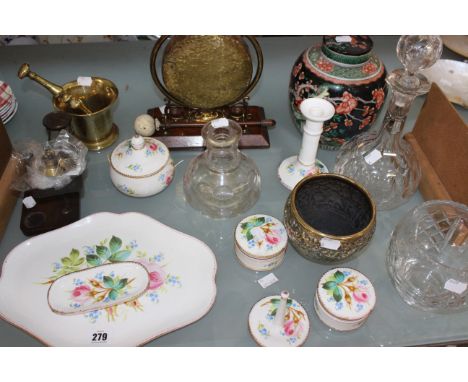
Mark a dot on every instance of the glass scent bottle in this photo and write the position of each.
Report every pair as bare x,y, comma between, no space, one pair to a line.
382,161
222,182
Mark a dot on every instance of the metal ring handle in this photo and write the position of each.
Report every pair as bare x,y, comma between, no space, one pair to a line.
163,89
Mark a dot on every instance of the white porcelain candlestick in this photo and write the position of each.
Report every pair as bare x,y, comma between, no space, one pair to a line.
316,111
279,321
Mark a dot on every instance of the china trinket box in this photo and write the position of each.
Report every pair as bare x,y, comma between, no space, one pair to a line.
141,167
260,242
279,321
344,299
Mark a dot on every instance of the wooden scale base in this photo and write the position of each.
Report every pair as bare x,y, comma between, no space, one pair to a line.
180,126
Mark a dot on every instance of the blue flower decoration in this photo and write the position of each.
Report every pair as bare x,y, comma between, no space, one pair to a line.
153,297
77,282
363,282
346,273
89,250
339,305
57,266
159,257
93,315
359,307
99,276
269,317
133,244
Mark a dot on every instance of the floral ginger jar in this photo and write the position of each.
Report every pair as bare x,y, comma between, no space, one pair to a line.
344,71
141,167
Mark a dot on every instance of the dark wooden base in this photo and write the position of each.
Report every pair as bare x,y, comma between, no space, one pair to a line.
180,129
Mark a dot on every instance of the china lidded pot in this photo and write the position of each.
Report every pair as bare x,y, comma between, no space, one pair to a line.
344,71
141,166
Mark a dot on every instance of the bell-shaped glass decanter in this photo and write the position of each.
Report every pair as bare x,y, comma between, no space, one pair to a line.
222,182
382,161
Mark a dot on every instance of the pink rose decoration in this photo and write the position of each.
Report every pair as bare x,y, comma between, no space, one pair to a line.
153,147
81,293
271,238
361,295
156,274
168,180
289,327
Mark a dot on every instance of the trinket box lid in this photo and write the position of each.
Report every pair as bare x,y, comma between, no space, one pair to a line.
261,236
267,330
139,157
346,294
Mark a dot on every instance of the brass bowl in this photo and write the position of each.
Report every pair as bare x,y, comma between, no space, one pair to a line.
329,206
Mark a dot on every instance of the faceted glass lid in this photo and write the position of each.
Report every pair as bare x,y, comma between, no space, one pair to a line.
139,157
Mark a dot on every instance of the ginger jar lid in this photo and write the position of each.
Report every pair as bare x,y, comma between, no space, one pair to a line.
346,294
261,236
347,49
139,157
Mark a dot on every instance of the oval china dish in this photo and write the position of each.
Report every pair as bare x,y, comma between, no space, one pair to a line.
98,287
141,167
98,259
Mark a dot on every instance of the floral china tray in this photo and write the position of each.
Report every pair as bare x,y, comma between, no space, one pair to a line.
107,280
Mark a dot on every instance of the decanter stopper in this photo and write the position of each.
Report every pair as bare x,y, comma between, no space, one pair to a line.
315,111
415,53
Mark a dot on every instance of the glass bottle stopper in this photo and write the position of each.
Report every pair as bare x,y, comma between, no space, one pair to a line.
316,111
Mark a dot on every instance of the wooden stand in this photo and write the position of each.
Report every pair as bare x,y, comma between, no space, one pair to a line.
440,141
8,197
180,126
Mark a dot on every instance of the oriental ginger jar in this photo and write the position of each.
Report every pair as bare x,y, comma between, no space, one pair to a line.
344,71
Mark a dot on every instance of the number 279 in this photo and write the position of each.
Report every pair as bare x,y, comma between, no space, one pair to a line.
99,337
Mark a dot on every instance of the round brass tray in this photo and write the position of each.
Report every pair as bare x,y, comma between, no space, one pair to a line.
206,72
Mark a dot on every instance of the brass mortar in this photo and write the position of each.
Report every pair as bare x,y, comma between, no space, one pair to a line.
90,107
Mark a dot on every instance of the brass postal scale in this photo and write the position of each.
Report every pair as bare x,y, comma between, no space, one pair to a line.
203,78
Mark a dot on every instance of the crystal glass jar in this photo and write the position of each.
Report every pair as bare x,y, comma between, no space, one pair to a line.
222,182
428,256
382,162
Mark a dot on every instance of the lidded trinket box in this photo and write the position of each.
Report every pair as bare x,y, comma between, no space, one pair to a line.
260,242
344,71
344,299
141,166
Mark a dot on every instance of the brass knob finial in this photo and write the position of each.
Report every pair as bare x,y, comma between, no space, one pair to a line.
24,71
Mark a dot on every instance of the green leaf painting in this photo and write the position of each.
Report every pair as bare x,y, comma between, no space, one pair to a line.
247,226
114,244
120,256
108,282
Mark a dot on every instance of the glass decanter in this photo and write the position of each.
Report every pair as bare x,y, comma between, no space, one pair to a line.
383,162
222,182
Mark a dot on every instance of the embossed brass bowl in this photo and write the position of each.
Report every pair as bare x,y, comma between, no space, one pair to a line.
206,72
90,107
328,210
